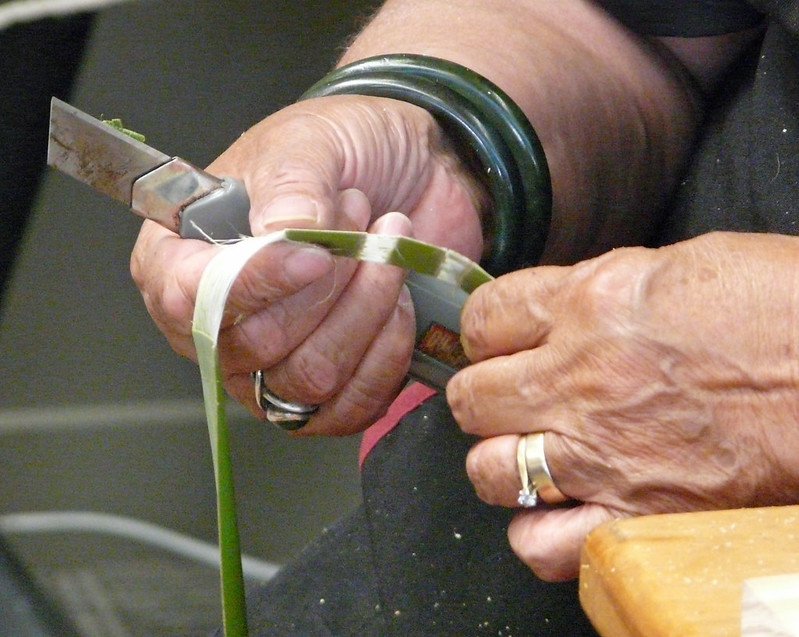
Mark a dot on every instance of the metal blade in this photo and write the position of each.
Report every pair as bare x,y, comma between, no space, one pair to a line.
97,154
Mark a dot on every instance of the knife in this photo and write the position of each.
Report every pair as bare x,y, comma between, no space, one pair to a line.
197,205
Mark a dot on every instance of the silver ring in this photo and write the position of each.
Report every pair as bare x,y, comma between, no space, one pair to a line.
534,473
280,412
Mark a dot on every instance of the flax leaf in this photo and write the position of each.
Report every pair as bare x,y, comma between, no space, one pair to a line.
215,285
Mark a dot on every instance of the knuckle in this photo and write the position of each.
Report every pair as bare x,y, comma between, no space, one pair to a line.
613,284
315,373
475,324
481,471
239,386
461,395
175,301
254,290
398,349
137,269
260,338
359,405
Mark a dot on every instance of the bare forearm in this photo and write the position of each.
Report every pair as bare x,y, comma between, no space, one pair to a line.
615,119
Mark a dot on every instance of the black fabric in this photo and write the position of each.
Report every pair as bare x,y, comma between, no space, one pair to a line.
688,18
744,175
784,11
423,556
330,590
39,60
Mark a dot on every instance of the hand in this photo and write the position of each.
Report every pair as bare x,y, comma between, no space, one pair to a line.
666,380
325,331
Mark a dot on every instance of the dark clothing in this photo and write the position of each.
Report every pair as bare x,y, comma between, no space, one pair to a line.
422,556
744,172
686,18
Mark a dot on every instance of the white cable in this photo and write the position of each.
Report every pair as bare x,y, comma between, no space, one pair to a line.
19,11
145,532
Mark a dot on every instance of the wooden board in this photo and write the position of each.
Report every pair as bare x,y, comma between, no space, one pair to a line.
683,575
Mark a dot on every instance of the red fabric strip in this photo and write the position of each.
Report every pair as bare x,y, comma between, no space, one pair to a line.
408,400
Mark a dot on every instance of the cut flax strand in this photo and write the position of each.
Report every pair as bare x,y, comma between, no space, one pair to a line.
215,285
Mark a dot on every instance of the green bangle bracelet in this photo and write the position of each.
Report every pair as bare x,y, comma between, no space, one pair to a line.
463,127
476,113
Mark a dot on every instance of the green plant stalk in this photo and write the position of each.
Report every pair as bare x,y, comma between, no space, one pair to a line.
234,612
215,285
116,124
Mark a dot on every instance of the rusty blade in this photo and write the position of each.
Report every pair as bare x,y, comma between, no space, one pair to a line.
97,154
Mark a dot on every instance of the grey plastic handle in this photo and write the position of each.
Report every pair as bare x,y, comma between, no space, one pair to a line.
220,216
438,354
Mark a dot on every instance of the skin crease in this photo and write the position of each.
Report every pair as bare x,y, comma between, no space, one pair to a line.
666,377
661,377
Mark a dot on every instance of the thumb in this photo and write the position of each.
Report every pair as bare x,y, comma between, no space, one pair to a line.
292,166
295,189
549,541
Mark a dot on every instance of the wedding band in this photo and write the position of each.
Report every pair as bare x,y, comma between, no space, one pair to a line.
534,473
280,412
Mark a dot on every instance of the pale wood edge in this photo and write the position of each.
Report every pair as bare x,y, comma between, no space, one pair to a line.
770,606
604,555
597,600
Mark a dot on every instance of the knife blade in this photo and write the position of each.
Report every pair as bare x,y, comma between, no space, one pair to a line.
169,190
197,205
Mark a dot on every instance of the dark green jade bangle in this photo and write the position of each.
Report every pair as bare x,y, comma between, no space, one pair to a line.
482,120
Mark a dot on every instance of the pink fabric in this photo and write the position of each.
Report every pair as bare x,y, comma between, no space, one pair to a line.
408,400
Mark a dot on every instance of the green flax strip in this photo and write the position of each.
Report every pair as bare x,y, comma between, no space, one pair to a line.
215,285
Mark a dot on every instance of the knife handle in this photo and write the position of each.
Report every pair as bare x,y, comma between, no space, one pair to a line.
221,215
437,354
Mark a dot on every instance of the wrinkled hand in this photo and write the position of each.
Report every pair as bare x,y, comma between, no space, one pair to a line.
666,380
325,331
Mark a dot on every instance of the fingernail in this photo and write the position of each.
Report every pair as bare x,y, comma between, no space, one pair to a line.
405,300
304,265
288,212
393,223
466,349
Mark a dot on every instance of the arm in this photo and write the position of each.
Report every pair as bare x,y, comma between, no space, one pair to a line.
599,98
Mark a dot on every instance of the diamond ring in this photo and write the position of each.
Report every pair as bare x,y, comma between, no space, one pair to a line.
534,473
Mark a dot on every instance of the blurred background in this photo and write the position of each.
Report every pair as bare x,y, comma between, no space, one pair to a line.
97,414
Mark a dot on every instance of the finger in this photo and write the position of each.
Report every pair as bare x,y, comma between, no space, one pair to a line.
368,393
325,361
510,314
492,466
291,167
549,541
276,272
284,314
376,381
263,339
269,316
166,268
510,394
